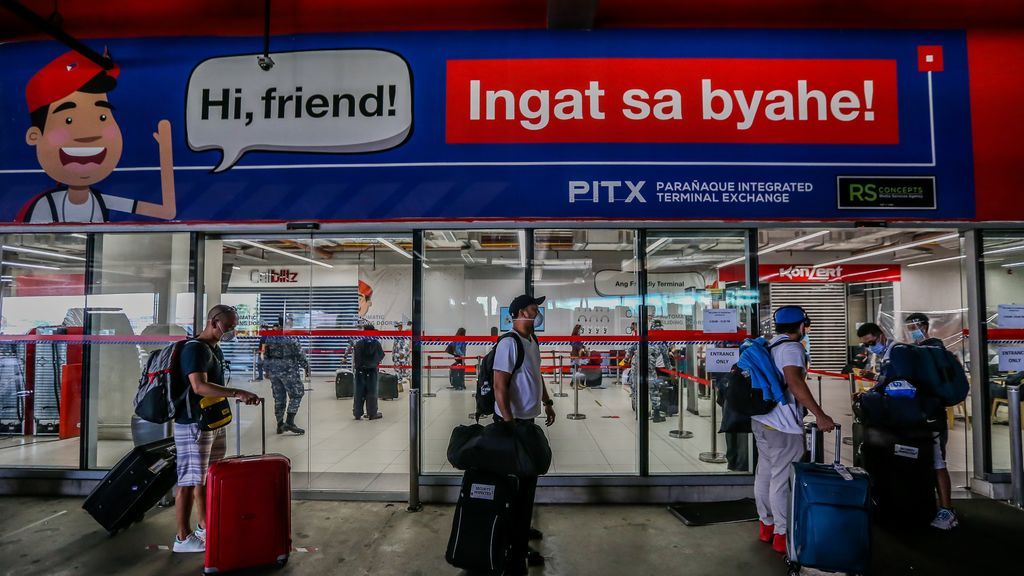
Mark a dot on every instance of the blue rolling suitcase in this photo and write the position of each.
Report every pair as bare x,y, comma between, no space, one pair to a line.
829,517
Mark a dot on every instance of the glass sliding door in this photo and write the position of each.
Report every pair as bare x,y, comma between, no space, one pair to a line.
139,301
469,279
366,295
700,307
304,304
42,300
590,347
268,280
1003,257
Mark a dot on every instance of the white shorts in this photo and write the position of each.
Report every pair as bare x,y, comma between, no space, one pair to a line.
939,442
195,450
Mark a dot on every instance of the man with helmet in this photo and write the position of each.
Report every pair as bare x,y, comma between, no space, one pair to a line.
779,434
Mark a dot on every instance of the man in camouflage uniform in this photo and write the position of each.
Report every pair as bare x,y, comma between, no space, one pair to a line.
401,355
285,363
659,356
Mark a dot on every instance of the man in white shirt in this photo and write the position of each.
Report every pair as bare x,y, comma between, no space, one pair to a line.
518,397
779,434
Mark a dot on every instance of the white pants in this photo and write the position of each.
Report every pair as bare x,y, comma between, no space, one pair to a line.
776,452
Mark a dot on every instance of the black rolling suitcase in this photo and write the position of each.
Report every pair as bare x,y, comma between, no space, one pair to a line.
387,386
133,486
344,384
483,517
901,465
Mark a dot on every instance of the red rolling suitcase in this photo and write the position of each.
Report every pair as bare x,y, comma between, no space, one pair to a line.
248,510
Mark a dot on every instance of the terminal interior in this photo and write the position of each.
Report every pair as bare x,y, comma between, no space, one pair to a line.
135,293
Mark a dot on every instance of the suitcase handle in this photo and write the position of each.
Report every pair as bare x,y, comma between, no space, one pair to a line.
263,426
812,428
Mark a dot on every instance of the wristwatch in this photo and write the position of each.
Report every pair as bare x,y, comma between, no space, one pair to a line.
549,402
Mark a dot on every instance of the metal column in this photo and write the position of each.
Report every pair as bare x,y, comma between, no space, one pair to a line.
416,377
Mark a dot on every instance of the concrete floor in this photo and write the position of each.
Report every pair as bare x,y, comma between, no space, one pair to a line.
54,537
362,538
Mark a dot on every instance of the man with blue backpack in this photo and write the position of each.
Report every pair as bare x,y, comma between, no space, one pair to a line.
779,369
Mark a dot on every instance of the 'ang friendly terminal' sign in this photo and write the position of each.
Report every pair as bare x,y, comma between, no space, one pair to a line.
611,124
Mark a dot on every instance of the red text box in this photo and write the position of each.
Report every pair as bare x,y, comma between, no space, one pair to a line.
637,100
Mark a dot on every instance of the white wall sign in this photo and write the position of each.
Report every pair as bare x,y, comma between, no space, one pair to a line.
721,359
298,276
1011,316
1011,359
721,320
618,283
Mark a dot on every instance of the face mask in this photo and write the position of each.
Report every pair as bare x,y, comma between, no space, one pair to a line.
917,335
227,336
535,320
877,348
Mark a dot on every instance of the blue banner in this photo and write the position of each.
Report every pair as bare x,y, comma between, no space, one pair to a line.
652,124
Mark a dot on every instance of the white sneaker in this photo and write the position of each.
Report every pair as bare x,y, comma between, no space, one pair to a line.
945,519
191,543
200,533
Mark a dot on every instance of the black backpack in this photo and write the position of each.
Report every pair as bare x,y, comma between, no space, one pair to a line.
367,354
485,375
162,390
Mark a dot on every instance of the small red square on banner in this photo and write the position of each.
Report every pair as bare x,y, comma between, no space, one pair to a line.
929,58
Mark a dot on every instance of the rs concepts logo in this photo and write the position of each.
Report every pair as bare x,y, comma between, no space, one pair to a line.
610,191
811,273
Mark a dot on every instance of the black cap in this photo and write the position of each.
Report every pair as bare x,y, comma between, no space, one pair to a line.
522,301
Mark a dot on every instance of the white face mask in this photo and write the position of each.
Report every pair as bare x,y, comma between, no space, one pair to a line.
227,336
535,320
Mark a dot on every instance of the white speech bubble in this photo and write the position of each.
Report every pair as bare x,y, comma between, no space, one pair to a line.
336,101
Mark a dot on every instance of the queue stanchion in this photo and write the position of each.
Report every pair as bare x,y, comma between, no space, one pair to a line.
819,389
561,380
1016,453
430,378
714,456
576,415
848,440
479,359
680,433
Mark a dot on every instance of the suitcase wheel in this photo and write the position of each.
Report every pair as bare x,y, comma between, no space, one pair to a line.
282,561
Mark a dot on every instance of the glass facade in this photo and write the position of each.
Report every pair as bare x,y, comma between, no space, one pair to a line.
639,328
1002,261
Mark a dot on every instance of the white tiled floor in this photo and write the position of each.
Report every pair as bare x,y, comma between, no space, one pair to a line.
340,453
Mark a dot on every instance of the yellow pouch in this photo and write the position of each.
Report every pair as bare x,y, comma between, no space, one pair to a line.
214,412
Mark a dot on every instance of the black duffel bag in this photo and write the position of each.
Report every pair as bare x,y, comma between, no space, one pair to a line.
876,408
519,449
